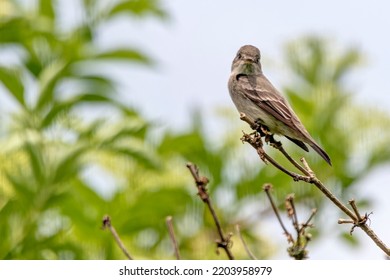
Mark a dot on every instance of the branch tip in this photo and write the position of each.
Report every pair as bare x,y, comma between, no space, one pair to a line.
107,224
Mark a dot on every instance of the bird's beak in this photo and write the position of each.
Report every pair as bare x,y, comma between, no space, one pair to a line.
248,59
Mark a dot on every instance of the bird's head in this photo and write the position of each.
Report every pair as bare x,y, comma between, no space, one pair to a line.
247,60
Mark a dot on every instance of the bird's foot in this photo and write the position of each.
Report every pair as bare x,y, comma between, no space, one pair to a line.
261,128
268,136
272,142
255,126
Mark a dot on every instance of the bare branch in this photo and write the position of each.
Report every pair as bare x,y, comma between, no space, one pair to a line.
247,250
293,215
355,209
267,188
201,183
107,224
307,223
345,221
172,236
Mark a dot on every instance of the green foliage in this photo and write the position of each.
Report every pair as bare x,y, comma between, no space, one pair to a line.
10,79
48,207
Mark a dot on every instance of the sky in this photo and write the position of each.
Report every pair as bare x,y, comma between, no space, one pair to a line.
193,51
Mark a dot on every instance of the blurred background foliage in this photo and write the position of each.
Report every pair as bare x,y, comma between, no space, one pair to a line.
72,151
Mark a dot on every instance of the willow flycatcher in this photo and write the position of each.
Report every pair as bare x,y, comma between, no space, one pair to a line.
255,96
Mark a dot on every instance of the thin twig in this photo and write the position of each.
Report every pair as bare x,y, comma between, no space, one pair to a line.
355,209
345,221
267,188
247,250
107,224
296,164
294,217
307,223
201,183
172,236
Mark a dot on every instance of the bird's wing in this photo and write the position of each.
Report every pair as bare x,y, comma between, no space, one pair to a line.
261,92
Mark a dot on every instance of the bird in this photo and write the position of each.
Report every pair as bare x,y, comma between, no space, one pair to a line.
255,96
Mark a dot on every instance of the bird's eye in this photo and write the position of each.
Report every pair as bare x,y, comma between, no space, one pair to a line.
239,56
257,58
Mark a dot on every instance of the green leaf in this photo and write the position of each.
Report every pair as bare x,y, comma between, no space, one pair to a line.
123,55
86,133
350,239
151,208
137,130
48,80
343,65
140,154
11,79
60,108
86,209
46,8
21,185
15,30
36,162
138,7
69,165
100,83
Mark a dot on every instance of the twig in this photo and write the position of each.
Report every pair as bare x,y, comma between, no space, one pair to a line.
294,216
307,223
297,250
247,250
345,221
358,221
296,164
107,224
172,236
201,183
355,209
267,188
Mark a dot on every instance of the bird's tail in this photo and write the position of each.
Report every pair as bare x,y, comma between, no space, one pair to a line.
321,152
